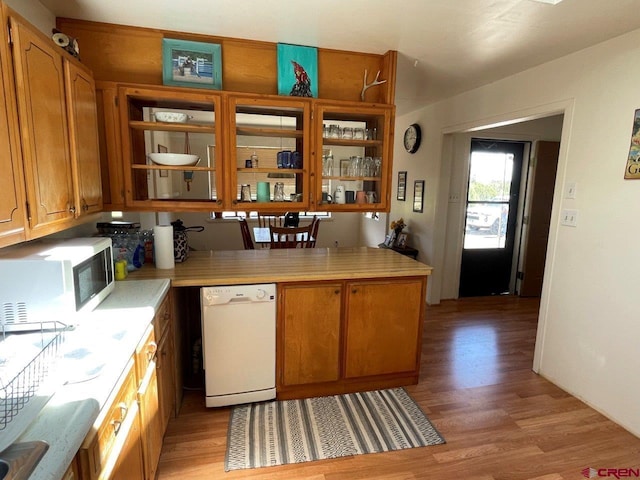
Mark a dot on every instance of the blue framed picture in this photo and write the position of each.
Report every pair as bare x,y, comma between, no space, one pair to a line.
297,70
191,64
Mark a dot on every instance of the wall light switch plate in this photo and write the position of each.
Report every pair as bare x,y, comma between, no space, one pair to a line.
570,190
569,218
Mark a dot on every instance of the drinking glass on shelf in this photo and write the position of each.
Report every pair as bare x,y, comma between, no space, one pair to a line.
355,166
335,131
327,165
358,133
245,193
368,168
347,133
377,166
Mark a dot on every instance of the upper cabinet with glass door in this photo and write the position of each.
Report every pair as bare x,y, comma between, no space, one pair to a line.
171,140
270,157
354,156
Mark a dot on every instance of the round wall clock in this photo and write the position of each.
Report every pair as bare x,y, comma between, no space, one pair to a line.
412,138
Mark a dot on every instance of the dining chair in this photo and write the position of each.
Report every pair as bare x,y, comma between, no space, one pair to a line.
246,234
266,220
290,237
315,225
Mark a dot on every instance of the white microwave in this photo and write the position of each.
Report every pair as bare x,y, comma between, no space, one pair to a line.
49,281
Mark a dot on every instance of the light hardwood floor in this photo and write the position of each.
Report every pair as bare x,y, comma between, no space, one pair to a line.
500,420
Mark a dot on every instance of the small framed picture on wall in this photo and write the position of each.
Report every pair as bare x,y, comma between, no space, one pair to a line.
418,195
402,186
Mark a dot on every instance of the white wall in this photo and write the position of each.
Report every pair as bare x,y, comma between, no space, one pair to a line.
35,12
588,327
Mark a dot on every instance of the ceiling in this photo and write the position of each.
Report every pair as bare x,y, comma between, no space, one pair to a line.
445,46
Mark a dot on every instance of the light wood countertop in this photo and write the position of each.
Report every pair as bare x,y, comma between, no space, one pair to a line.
237,267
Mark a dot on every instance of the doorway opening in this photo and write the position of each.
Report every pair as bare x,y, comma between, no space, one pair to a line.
495,168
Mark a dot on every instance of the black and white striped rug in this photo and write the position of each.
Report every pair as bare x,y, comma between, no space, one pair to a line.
292,431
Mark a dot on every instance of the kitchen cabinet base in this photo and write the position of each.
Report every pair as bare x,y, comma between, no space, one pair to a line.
346,386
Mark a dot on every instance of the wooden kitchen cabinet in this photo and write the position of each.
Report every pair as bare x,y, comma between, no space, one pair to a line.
42,109
166,378
56,114
83,134
110,144
354,150
309,333
152,186
349,336
264,126
383,327
12,199
113,447
152,431
225,130
166,361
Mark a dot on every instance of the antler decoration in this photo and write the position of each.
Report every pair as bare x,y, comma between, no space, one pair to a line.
375,82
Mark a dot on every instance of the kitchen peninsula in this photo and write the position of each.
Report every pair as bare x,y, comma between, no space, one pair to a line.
348,319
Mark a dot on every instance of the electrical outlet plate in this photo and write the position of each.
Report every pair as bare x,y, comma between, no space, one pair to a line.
569,218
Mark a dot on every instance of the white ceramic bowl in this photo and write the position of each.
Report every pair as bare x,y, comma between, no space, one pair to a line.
174,159
172,117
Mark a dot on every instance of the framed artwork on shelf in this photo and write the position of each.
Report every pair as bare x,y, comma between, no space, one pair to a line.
401,241
344,167
191,64
418,195
402,186
163,149
297,70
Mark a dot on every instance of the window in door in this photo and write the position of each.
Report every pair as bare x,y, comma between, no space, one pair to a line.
488,198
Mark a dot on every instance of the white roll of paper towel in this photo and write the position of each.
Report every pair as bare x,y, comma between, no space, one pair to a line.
163,245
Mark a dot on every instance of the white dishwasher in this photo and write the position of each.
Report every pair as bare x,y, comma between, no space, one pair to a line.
239,343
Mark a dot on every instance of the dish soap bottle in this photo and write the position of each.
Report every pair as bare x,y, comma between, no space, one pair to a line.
254,160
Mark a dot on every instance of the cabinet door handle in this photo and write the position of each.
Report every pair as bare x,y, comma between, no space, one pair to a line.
152,348
116,426
123,410
354,290
72,209
337,291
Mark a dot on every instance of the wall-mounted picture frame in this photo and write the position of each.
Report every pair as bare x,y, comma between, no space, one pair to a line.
191,64
632,169
402,186
297,70
418,195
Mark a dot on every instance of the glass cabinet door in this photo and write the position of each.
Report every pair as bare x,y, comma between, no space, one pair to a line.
270,154
172,149
353,160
